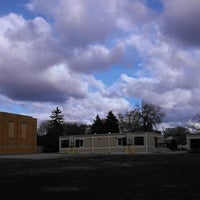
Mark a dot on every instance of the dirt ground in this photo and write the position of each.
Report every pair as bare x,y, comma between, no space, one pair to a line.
139,177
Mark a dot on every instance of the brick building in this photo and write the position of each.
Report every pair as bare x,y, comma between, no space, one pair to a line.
18,134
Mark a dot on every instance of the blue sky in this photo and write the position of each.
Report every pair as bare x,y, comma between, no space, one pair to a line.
95,56
15,7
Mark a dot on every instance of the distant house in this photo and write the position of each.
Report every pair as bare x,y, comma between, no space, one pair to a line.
193,142
127,143
168,139
18,133
168,142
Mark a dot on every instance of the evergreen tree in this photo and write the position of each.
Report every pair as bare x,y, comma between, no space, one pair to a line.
55,129
97,126
57,118
111,123
74,128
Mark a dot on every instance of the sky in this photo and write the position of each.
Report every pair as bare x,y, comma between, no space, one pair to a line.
91,56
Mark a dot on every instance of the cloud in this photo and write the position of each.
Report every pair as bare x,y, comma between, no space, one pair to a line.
26,44
52,59
181,21
28,69
95,104
175,103
78,23
96,57
167,76
54,84
76,38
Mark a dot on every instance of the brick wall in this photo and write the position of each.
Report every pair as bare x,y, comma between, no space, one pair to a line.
18,134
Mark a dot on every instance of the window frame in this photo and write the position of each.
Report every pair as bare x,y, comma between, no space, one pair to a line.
63,145
139,141
79,143
11,130
121,141
24,130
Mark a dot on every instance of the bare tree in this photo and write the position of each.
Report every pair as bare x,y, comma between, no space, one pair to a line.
130,122
150,116
43,128
144,118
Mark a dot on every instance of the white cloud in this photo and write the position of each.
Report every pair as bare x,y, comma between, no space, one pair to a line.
87,109
180,21
64,80
96,57
52,57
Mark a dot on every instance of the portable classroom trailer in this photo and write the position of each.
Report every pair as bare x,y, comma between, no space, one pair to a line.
115,143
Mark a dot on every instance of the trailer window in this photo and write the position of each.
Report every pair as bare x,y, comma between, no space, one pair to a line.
64,143
122,141
79,143
195,143
139,140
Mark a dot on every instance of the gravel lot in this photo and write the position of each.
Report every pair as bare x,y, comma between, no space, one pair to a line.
59,176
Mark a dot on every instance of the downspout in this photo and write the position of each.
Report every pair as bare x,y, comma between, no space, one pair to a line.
92,145
109,142
146,138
